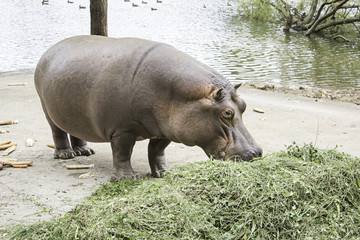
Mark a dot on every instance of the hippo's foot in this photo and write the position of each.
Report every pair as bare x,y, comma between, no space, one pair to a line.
158,170
64,153
83,150
123,174
156,156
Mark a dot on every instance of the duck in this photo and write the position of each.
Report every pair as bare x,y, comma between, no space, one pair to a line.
153,9
135,5
82,7
159,1
71,2
143,2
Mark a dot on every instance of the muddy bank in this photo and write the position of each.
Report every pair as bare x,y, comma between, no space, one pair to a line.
347,95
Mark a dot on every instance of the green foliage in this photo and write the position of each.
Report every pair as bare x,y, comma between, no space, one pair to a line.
257,9
308,152
300,193
297,15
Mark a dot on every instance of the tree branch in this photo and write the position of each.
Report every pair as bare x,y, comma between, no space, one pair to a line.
277,8
318,21
350,6
285,12
335,23
320,10
342,37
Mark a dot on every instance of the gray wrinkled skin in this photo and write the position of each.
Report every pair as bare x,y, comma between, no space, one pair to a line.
122,90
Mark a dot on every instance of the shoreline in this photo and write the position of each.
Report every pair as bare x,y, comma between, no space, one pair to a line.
17,72
351,95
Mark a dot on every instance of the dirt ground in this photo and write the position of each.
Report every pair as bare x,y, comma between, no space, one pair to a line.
48,189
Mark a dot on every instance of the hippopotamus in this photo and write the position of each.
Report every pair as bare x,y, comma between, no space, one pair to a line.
121,90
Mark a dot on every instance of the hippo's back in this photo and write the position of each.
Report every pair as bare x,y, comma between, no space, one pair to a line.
90,58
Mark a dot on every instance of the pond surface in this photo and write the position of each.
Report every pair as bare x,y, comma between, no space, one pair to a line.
209,30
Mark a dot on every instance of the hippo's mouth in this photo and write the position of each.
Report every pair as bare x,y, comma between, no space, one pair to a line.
220,155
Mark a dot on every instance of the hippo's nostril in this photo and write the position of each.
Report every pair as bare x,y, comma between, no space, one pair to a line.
252,153
259,152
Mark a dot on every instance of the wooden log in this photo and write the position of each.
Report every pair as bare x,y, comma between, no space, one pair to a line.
16,84
79,166
14,162
9,150
51,146
20,166
28,163
86,175
6,146
7,122
8,161
5,143
258,110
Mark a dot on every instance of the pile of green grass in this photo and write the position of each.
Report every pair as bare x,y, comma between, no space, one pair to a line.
301,193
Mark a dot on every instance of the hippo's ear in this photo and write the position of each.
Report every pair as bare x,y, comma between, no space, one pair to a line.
237,86
219,95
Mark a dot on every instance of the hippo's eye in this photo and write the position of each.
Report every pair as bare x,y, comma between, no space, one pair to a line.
228,113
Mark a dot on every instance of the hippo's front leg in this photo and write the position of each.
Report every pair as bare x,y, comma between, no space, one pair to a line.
122,147
157,157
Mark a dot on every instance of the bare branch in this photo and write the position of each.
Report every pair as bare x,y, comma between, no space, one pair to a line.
314,26
357,29
320,10
277,8
285,12
335,23
350,6
342,37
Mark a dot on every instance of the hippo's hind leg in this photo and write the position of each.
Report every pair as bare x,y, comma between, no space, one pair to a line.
156,156
61,141
63,150
80,147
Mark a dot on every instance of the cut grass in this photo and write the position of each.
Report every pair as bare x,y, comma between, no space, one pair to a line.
301,193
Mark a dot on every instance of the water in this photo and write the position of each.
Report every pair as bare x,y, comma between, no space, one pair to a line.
209,30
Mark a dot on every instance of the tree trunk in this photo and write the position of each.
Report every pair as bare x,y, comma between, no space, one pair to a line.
98,15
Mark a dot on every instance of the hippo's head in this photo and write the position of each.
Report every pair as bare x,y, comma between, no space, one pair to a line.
214,123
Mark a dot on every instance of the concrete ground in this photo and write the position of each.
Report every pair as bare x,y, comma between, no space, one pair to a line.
47,188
